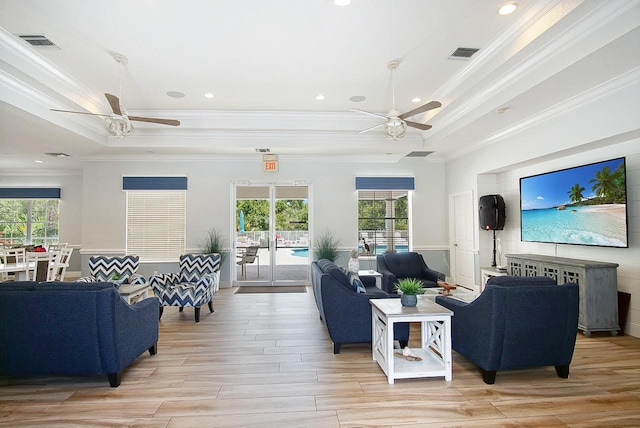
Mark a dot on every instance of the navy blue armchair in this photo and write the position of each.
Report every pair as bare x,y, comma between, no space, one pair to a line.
84,329
516,323
395,266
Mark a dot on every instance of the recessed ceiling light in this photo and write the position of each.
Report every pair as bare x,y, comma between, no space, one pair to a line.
319,97
342,2
357,98
208,95
507,9
175,94
416,100
39,161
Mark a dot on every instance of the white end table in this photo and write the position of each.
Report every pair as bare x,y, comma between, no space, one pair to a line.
489,272
133,293
435,352
377,275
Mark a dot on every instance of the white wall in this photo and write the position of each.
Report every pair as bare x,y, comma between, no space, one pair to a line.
602,128
209,198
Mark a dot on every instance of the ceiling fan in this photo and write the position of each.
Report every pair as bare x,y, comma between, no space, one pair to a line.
395,124
118,122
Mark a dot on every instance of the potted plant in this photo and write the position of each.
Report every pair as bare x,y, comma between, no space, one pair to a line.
409,289
326,247
214,243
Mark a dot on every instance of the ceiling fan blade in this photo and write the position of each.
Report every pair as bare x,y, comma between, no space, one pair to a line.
79,112
369,113
428,106
422,126
369,129
171,122
114,102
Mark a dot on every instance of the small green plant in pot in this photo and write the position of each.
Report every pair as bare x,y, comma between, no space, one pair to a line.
326,247
410,288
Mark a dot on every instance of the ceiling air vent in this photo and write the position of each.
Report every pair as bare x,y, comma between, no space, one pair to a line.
38,41
263,150
464,53
418,154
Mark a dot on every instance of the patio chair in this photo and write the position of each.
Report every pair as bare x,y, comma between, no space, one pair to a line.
248,257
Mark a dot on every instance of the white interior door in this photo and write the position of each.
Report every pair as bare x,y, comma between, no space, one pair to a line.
462,239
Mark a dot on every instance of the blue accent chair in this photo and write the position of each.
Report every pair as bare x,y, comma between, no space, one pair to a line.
194,285
516,323
395,266
68,329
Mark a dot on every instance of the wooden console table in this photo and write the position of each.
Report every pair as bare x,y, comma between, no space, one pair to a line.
598,283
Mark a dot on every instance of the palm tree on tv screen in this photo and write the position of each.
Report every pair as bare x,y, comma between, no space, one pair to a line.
576,193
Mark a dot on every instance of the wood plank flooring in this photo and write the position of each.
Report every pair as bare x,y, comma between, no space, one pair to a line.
265,360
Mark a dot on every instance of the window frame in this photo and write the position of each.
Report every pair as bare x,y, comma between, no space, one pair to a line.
152,221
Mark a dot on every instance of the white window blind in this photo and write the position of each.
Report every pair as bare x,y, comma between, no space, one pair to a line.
156,228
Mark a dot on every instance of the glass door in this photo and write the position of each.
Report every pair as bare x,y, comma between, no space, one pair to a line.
272,234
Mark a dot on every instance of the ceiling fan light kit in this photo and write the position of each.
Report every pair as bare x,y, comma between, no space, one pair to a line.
118,126
395,125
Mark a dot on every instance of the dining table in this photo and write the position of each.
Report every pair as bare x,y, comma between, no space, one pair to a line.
19,269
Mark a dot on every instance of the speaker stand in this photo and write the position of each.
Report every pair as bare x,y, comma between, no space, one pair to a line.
493,259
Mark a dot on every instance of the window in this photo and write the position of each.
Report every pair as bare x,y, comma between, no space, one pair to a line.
156,226
383,220
29,221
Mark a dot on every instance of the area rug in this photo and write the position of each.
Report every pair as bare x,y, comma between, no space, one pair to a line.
278,289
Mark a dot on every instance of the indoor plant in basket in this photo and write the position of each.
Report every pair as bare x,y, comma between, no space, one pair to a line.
410,288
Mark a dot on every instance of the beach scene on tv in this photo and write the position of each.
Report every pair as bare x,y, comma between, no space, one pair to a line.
585,205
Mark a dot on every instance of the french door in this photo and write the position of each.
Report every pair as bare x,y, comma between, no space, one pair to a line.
271,234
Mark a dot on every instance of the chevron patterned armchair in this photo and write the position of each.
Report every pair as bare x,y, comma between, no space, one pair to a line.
118,270
194,285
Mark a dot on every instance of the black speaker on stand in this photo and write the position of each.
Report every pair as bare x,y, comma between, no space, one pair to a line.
491,211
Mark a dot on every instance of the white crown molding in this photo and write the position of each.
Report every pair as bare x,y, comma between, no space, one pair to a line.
40,172
618,83
488,55
537,62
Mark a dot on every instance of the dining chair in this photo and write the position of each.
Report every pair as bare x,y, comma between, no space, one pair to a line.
63,263
44,265
57,247
248,257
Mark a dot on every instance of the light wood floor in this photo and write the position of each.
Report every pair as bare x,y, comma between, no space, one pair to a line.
265,360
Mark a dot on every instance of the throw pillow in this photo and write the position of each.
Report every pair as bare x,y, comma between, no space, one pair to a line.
356,283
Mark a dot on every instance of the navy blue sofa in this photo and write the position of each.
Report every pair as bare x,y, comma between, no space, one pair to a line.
58,328
346,313
395,266
516,323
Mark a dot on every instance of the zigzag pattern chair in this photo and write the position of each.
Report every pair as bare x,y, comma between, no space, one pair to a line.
106,269
195,285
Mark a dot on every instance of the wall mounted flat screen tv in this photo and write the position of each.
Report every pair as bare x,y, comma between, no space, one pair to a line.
584,205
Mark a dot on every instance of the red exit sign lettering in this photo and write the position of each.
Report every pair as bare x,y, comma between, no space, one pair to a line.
270,166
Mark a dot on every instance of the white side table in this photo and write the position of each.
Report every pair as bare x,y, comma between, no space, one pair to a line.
435,352
489,272
376,274
133,293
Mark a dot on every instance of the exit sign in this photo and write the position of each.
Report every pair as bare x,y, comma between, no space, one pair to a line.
271,165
